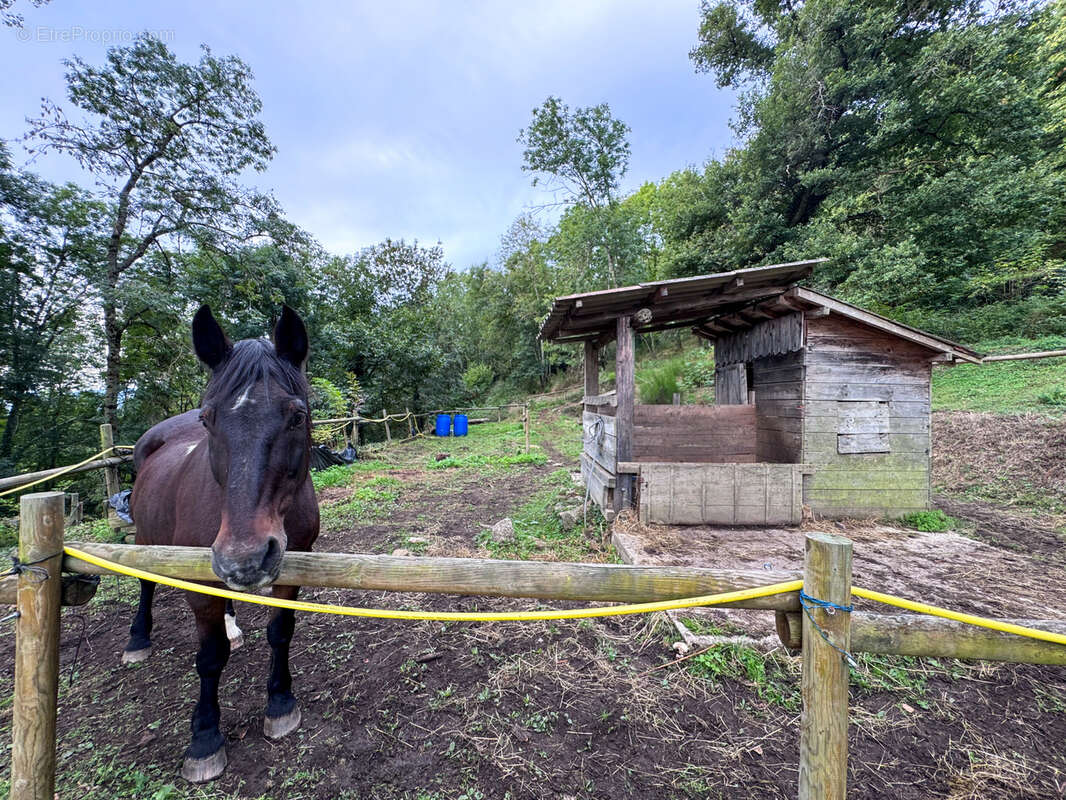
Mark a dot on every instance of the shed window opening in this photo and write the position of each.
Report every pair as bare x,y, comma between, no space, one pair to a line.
863,427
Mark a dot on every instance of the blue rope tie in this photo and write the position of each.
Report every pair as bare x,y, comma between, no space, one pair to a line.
807,602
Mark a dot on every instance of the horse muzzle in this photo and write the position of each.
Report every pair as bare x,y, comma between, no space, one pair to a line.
252,568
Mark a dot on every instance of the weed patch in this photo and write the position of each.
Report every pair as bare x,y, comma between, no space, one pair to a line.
935,521
488,462
540,534
774,679
370,500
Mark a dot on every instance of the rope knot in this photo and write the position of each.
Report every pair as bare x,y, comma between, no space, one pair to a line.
807,602
19,567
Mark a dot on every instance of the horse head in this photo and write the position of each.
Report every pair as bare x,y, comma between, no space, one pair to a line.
258,432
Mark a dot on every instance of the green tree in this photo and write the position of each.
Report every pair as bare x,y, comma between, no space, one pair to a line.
166,142
907,141
48,251
585,154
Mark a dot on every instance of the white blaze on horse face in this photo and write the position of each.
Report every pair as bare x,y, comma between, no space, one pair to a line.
244,398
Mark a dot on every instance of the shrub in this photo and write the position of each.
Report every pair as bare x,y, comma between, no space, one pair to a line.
657,385
327,402
477,378
929,521
698,370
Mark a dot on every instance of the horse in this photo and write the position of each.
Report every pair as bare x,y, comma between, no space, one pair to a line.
233,475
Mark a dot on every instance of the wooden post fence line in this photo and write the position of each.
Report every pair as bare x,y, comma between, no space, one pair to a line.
826,577
33,723
823,769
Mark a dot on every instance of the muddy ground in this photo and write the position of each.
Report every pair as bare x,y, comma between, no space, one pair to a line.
430,711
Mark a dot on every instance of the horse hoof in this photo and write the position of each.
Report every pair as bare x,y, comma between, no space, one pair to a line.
136,656
276,727
201,770
233,633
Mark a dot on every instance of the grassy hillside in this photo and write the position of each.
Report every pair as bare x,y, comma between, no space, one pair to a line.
1008,386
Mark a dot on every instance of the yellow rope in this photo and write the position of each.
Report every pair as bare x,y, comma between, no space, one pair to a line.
388,418
970,619
581,613
440,616
65,470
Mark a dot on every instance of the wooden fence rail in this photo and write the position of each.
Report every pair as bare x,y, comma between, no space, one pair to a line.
822,635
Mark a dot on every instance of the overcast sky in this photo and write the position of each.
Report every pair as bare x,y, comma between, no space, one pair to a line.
399,118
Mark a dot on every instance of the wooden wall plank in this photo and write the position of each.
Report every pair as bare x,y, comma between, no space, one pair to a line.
767,338
730,385
741,494
698,434
865,392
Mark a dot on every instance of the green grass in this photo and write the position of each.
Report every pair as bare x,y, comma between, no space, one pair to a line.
1006,386
934,521
539,531
372,499
487,463
341,474
769,674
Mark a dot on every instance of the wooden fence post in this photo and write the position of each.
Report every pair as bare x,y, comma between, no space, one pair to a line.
625,395
111,478
33,727
526,423
388,431
823,769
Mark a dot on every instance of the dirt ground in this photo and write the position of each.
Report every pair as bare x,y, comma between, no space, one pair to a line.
950,569
585,710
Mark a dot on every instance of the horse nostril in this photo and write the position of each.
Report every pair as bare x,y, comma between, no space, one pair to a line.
272,555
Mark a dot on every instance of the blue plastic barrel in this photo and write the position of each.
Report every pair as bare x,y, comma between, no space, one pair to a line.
461,424
444,425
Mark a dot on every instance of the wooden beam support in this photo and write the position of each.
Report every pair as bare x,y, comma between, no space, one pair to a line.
592,369
12,481
816,313
690,308
823,768
625,389
1025,356
935,637
734,321
483,577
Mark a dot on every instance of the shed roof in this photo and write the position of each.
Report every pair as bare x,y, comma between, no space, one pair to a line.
672,303
719,304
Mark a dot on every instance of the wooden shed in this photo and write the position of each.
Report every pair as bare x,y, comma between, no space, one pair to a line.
818,403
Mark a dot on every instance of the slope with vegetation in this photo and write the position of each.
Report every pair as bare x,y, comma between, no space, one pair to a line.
918,146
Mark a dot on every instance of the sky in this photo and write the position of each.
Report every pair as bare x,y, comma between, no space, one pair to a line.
399,118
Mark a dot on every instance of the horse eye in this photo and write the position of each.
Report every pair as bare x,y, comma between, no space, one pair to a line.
297,420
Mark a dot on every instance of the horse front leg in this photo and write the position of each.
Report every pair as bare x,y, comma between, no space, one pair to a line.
282,713
206,757
139,647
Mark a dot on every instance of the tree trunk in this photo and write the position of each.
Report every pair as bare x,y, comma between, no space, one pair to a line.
6,441
112,373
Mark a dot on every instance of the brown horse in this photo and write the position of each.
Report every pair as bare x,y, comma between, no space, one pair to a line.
232,475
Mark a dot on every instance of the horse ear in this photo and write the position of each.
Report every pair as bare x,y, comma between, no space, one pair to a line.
211,344
290,338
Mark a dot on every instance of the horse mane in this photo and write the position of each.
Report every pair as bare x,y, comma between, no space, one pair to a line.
250,361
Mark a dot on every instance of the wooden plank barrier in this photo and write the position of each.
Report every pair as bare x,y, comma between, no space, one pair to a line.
824,680
619,583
